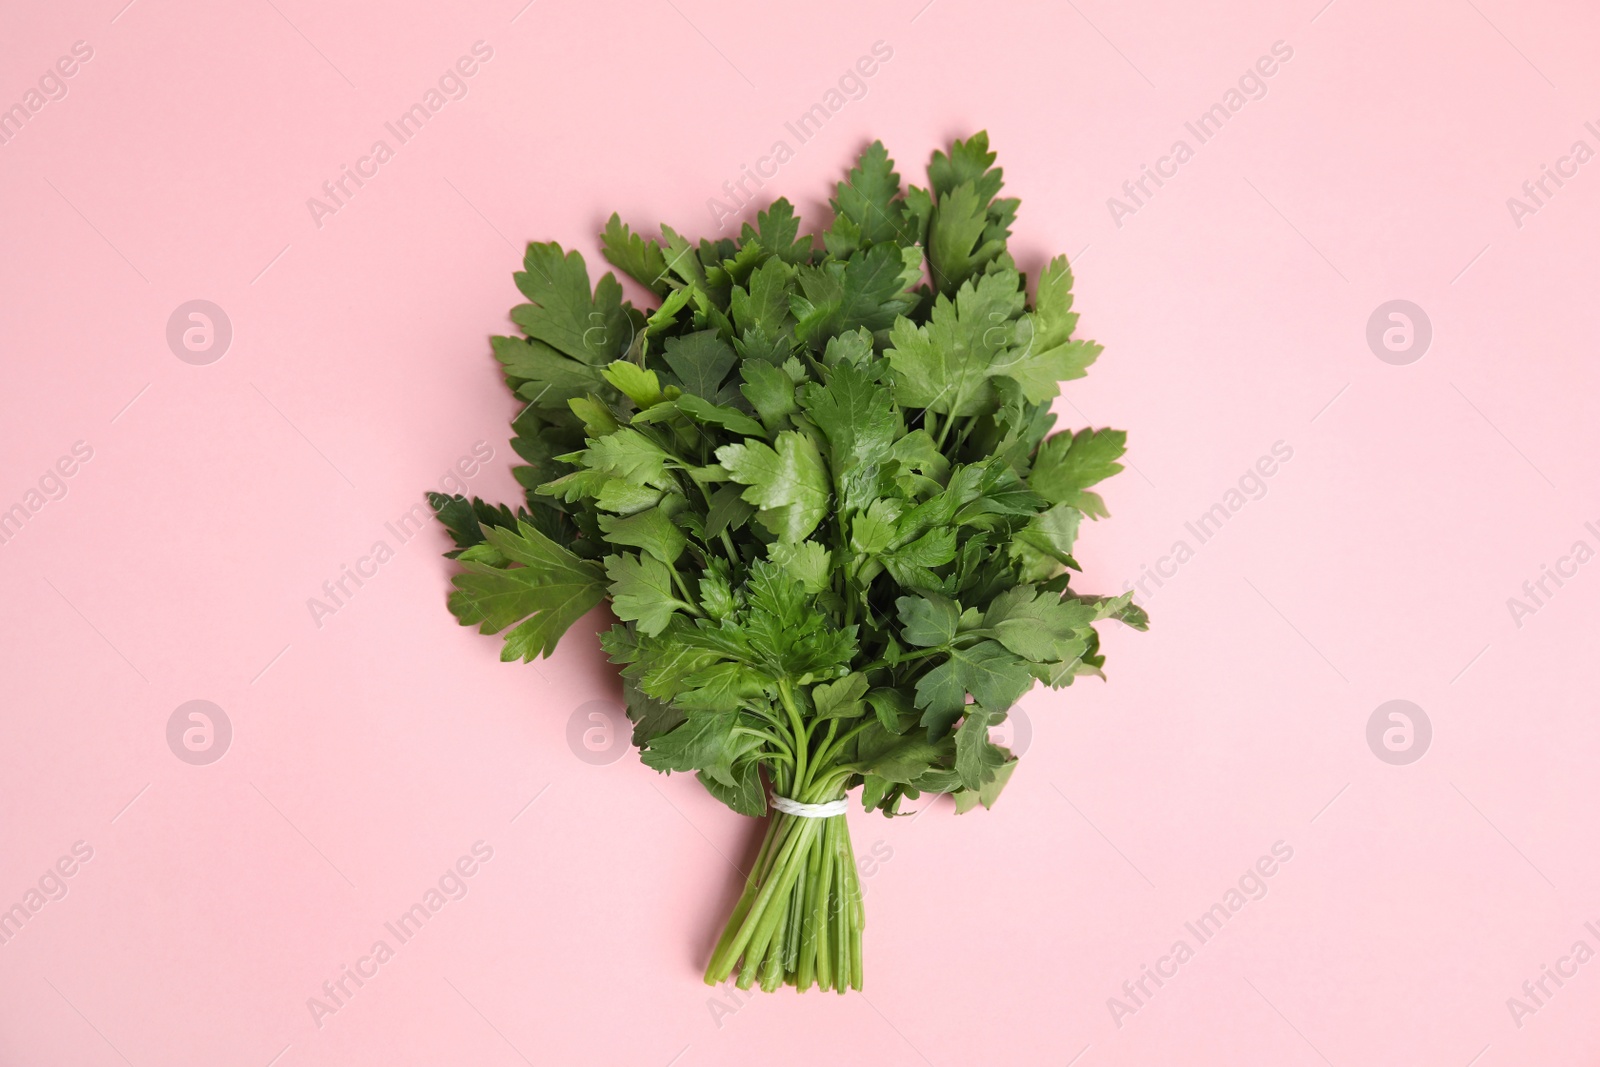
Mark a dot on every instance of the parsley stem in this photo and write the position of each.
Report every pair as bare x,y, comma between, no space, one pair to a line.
908,658
966,431
688,601
944,431
727,541
833,750
765,736
799,732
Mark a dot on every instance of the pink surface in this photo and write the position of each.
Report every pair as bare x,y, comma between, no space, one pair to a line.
374,748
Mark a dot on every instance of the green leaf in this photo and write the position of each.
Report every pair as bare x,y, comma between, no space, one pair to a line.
464,520
867,291
638,258
841,699
805,561
893,708
746,795
994,677
1044,546
1040,371
705,412
912,565
637,384
700,361
630,456
858,419
770,391
596,416
923,468
1054,531
550,591
968,161
641,591
987,793
720,687
967,227
867,206
899,759
592,329
1036,625
954,236
873,790
1068,463
778,230
946,365
623,497
764,306
681,258
651,530
701,740
1052,316
650,717
976,756
928,620
543,375
854,346
716,596
789,484
729,510
1122,608
783,632
665,317
1045,354
873,531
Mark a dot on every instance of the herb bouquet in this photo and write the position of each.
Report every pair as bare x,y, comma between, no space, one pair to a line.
818,487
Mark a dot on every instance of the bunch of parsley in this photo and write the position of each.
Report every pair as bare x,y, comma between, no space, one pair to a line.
818,487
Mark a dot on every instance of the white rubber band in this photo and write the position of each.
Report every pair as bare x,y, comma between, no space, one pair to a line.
810,811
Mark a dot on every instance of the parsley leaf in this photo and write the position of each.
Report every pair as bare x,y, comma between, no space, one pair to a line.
1067,464
591,329
946,365
637,257
994,677
867,206
549,591
641,591
789,484
858,419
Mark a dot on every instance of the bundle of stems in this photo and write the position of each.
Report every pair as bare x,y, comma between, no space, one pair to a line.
799,919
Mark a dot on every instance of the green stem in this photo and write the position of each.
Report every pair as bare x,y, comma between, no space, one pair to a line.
727,541
833,725
950,420
838,746
764,735
797,725
688,602
966,431
752,886
909,658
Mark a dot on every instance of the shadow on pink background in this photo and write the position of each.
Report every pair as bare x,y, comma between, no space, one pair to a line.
378,751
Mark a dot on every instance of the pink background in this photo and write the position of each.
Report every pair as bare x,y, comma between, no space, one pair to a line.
371,752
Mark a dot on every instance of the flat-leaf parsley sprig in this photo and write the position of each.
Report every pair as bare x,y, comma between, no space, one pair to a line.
818,486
